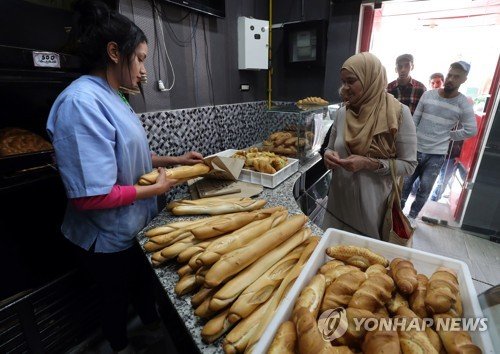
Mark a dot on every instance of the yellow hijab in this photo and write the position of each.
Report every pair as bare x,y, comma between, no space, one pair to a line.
371,132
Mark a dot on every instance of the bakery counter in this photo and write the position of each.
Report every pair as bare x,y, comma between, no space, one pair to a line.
283,195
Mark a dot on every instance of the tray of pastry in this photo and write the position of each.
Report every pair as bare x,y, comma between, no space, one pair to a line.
424,289
263,167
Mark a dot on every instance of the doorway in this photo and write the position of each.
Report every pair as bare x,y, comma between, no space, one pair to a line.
437,33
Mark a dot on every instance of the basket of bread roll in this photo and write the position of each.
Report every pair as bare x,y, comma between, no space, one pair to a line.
359,295
236,268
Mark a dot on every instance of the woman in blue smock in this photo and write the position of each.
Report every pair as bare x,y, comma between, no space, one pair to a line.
101,151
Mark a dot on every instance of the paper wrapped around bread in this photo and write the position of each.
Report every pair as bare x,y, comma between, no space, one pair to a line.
180,172
240,238
234,261
284,340
261,290
218,207
232,289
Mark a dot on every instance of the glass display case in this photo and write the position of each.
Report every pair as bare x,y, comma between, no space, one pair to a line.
294,130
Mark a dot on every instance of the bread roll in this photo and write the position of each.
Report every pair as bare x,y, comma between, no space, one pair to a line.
184,270
353,336
173,251
340,291
373,293
233,262
357,256
412,340
201,295
442,291
332,274
375,269
456,342
240,238
232,289
284,340
378,342
434,339
330,265
203,310
396,302
311,296
404,275
417,298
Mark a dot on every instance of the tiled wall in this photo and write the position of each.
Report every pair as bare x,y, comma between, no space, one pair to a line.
208,130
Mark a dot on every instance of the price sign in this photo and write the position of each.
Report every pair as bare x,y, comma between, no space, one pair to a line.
46,60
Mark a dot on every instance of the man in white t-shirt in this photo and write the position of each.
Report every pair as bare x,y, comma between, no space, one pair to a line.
437,113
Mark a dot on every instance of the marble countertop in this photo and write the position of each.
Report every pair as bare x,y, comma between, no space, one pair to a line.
282,195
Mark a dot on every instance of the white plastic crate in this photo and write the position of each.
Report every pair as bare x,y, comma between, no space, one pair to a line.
424,262
265,179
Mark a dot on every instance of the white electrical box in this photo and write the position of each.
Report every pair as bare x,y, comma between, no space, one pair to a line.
253,44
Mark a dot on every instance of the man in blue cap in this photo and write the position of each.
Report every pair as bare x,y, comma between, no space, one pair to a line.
437,113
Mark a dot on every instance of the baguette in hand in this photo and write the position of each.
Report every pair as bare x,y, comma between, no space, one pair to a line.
180,172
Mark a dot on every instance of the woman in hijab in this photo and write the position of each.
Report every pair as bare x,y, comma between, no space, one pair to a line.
371,129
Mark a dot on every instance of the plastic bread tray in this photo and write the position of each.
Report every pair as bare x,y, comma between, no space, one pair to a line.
265,179
424,262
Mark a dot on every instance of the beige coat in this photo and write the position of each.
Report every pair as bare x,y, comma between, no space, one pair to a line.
357,201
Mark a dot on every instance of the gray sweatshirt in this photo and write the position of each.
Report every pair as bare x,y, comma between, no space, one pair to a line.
435,117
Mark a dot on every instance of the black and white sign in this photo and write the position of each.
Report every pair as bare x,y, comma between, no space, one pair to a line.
46,60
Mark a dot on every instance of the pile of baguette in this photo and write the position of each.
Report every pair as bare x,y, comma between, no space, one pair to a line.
262,161
181,173
287,143
367,286
214,206
238,267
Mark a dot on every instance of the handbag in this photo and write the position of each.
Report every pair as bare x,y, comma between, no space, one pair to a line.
396,227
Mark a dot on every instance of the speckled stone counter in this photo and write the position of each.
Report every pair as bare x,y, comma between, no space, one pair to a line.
282,195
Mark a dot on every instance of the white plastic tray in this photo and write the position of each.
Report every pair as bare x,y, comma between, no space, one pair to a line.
425,263
265,179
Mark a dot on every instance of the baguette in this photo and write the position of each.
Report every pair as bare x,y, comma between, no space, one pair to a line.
357,256
284,340
180,172
223,225
174,250
285,285
187,225
217,208
240,238
184,270
234,261
232,289
188,253
201,295
205,201
203,310
216,327
262,289
157,259
237,340
161,241
311,296
185,285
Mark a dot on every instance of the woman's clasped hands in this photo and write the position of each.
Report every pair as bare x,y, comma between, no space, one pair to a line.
353,163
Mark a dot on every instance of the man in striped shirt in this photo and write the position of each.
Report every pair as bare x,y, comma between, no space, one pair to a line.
406,89
437,113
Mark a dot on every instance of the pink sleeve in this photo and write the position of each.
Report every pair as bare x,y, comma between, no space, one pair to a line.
119,196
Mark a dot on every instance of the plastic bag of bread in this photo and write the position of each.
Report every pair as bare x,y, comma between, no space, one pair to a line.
15,141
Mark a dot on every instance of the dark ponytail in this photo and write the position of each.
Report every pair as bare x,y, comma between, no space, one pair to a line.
95,25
